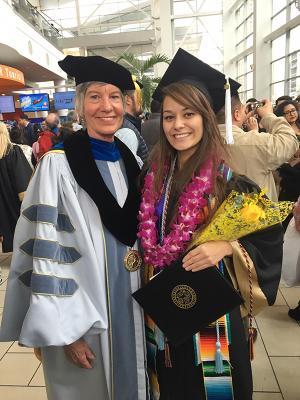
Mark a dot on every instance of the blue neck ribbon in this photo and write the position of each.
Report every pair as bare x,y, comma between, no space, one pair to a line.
106,151
101,150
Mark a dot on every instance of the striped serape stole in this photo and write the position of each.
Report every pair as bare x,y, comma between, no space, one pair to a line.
218,385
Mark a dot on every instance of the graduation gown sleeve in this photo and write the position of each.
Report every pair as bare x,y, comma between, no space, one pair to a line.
56,289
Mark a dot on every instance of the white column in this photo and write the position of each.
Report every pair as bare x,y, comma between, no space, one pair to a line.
229,38
262,51
161,14
64,112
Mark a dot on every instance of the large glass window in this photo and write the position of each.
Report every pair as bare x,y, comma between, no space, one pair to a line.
285,51
278,70
198,28
278,47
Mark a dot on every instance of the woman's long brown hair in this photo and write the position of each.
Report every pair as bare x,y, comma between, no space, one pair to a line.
211,145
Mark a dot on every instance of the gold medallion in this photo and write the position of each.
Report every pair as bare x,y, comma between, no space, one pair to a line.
132,260
183,296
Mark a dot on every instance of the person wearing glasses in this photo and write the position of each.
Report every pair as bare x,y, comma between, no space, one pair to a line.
289,172
289,110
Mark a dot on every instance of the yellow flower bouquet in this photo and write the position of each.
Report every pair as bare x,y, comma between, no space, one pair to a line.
241,214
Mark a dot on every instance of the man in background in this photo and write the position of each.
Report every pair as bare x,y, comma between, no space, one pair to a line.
45,140
133,108
27,128
256,154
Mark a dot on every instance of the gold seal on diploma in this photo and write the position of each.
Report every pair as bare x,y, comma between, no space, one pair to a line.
132,260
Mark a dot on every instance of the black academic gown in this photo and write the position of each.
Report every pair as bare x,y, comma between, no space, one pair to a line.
183,380
15,173
289,185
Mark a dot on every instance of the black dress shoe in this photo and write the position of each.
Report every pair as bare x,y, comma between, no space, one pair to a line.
295,313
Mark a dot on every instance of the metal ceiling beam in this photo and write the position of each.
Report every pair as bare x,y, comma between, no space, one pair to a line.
107,40
93,13
196,14
78,16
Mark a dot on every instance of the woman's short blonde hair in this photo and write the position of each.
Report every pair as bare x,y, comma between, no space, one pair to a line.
5,142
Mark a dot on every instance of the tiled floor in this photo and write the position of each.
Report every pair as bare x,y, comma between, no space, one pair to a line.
276,368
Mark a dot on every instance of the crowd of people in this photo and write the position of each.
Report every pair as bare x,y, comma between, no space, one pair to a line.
102,216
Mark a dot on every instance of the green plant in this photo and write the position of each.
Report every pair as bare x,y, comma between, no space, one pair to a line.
143,70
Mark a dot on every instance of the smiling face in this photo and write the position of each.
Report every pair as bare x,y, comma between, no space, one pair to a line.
183,128
103,110
290,113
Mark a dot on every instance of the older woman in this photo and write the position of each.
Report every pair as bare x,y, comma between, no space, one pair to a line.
74,266
15,173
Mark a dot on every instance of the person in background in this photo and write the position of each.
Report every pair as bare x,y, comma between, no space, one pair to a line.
280,100
256,154
73,119
37,129
297,99
15,173
289,185
64,132
71,277
251,100
289,110
43,125
133,104
295,312
16,137
27,127
133,108
150,128
45,139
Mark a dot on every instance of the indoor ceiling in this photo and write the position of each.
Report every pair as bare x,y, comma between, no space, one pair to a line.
32,72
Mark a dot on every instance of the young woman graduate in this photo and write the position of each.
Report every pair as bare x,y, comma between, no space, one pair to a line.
188,160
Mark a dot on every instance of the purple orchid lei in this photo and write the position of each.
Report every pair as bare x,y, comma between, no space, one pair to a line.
191,201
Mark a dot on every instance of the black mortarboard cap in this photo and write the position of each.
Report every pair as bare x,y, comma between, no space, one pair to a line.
97,68
182,302
187,68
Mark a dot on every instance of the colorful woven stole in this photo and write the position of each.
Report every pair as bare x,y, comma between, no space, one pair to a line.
217,385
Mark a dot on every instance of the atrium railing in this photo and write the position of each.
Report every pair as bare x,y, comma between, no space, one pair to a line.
36,19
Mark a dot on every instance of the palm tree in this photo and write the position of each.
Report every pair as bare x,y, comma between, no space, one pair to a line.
143,72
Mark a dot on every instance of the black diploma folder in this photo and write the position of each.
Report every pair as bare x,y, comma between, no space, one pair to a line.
182,302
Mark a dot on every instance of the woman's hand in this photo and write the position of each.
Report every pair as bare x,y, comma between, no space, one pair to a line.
207,254
80,354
